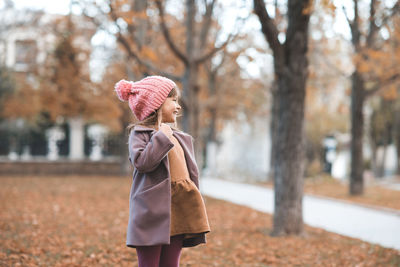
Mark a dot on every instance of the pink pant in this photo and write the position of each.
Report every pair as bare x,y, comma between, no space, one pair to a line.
161,255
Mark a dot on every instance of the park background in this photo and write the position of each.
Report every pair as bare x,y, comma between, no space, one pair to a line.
297,96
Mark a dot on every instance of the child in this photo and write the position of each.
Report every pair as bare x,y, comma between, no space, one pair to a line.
166,210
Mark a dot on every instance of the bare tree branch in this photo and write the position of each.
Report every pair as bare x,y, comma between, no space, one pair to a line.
394,10
269,28
349,21
213,70
167,35
354,26
214,50
217,67
229,39
373,28
326,60
127,45
131,53
207,19
130,27
382,84
137,30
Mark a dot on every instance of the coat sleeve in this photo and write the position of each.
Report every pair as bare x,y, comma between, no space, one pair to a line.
145,155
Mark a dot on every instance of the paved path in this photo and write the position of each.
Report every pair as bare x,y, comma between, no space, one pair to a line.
371,225
394,185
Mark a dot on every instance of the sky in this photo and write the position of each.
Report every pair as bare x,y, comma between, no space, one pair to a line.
62,7
51,6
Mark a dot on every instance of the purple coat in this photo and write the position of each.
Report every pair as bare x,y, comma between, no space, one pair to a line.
150,195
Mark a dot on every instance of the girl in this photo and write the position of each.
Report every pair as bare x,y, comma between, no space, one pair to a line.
166,210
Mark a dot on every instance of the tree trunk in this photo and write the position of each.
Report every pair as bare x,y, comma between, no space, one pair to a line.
373,142
381,172
396,137
210,135
273,129
195,121
398,155
357,126
190,95
374,162
185,98
190,120
190,76
386,141
141,23
291,69
289,155
289,165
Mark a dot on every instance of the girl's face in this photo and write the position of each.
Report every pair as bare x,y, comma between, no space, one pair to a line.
170,109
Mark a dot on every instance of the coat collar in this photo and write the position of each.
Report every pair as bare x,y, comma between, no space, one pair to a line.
141,128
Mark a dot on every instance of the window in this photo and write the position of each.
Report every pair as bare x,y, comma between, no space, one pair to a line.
25,54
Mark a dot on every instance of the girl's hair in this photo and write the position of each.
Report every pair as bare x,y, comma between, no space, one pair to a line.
155,118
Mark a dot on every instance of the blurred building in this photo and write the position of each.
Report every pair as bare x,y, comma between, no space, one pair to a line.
27,37
244,154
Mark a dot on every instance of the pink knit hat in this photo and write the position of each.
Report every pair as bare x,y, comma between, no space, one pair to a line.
145,96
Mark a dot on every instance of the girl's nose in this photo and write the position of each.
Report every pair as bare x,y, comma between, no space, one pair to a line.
178,106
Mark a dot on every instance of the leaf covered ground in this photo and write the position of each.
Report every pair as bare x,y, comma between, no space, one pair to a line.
81,221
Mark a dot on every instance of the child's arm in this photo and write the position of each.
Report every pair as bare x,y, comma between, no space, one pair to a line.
146,156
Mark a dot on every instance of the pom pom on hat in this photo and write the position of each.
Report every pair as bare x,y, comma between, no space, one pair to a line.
145,96
123,88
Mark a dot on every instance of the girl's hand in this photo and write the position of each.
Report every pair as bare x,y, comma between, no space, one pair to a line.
166,130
